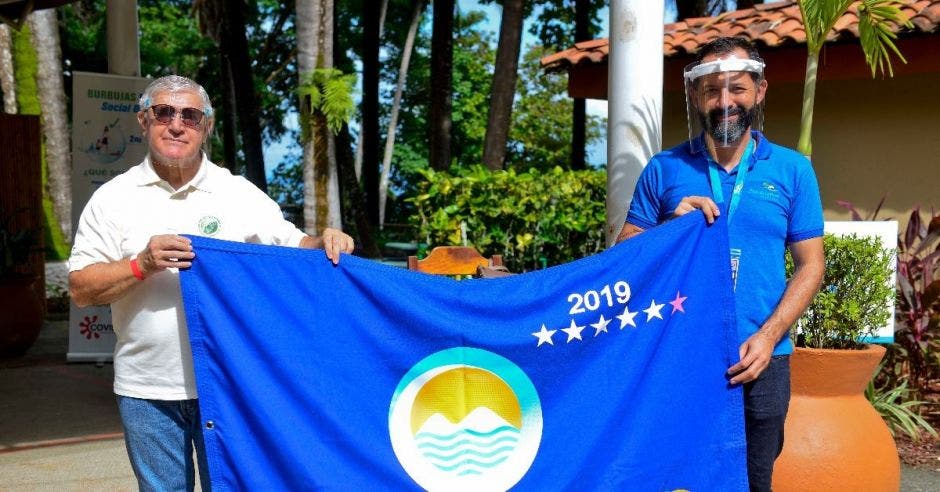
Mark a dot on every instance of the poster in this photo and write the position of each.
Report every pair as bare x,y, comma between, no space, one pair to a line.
106,141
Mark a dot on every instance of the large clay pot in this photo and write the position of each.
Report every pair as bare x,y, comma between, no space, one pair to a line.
835,440
22,314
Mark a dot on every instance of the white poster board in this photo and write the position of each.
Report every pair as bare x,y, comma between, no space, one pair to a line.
106,141
886,232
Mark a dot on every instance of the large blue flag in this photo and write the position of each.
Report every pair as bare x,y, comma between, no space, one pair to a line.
607,373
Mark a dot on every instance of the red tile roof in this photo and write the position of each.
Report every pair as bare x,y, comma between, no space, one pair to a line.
770,24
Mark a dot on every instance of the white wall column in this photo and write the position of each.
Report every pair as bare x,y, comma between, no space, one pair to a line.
635,100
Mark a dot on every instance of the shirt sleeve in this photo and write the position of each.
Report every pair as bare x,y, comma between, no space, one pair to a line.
98,237
806,214
270,226
646,205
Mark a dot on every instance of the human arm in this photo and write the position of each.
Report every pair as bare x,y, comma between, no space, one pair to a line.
756,351
106,282
333,241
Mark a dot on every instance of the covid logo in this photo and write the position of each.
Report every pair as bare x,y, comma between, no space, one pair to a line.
90,327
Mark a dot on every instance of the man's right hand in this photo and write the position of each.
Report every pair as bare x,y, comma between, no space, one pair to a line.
703,203
165,251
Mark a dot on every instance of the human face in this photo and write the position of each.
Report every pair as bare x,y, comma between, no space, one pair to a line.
175,144
727,101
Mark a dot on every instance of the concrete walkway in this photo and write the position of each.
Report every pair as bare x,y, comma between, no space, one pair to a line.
60,430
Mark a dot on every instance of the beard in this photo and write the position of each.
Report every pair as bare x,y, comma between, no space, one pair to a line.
728,130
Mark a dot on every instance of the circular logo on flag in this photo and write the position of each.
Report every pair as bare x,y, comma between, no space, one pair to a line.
465,419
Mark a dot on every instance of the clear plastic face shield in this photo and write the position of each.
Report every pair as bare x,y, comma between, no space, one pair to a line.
724,100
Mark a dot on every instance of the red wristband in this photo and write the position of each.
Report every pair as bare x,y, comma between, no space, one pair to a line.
135,269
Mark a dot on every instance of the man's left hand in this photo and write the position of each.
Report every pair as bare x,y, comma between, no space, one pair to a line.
335,242
755,355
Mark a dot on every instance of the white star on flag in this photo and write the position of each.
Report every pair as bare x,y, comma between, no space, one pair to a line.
601,325
544,335
627,317
573,331
653,310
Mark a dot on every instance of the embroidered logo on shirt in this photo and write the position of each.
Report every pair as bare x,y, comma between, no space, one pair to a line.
769,187
210,225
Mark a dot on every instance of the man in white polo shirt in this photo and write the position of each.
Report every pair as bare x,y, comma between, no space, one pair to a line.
127,253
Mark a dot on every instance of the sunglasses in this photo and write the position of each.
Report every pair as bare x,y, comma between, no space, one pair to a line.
164,113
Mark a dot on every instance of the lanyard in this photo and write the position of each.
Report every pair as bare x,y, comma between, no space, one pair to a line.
715,180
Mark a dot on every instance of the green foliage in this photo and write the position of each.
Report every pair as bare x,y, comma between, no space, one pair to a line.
898,407
541,132
328,91
854,299
534,219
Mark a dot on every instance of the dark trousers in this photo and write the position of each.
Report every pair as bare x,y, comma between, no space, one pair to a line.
766,400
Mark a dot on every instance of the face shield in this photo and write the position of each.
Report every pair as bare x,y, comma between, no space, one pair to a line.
724,100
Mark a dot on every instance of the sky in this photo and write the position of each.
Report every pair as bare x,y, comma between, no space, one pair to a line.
275,152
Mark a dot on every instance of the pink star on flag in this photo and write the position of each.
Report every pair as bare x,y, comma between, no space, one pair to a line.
677,303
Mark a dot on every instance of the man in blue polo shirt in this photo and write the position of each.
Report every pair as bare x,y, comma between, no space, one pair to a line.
770,198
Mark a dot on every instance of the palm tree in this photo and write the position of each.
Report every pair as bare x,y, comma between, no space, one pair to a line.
7,80
321,183
51,91
875,18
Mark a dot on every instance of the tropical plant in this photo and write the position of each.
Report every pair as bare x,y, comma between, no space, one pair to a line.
854,299
918,306
875,19
898,407
533,218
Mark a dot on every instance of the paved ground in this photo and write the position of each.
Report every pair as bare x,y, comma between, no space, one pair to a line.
60,431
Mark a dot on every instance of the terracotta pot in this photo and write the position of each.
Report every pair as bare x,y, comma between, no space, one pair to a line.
835,440
21,318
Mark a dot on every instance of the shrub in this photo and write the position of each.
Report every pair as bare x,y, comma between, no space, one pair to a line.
853,300
533,218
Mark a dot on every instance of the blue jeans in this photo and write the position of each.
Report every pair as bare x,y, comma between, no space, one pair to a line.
766,400
160,436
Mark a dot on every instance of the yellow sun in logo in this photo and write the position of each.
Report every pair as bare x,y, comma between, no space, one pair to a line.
456,393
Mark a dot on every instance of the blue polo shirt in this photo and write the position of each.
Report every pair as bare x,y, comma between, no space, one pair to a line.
780,205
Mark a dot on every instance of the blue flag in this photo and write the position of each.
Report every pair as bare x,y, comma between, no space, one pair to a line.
607,373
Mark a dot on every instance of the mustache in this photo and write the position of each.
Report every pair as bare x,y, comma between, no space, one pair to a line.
716,115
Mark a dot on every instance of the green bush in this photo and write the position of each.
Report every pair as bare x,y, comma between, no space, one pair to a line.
853,300
534,218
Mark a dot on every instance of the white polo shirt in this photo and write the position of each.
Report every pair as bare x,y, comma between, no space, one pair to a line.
152,358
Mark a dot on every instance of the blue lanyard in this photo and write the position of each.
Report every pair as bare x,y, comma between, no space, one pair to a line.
715,180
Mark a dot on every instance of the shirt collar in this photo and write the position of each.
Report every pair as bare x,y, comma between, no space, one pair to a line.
761,148
148,176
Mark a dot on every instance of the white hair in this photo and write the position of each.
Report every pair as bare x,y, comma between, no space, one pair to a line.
171,84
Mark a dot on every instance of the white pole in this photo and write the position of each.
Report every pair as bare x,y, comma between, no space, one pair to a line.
635,100
123,44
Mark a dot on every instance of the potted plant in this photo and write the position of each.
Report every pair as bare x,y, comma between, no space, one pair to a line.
19,296
835,439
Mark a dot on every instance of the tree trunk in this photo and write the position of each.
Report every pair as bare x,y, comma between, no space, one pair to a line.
58,185
353,194
7,81
396,105
234,46
315,50
442,66
229,135
805,144
369,133
582,25
504,85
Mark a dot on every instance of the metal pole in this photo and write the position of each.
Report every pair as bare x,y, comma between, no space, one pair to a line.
635,95
123,43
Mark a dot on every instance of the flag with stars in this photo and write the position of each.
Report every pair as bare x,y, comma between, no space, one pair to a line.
607,373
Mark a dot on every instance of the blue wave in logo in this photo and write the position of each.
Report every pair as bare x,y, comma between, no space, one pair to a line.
467,452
